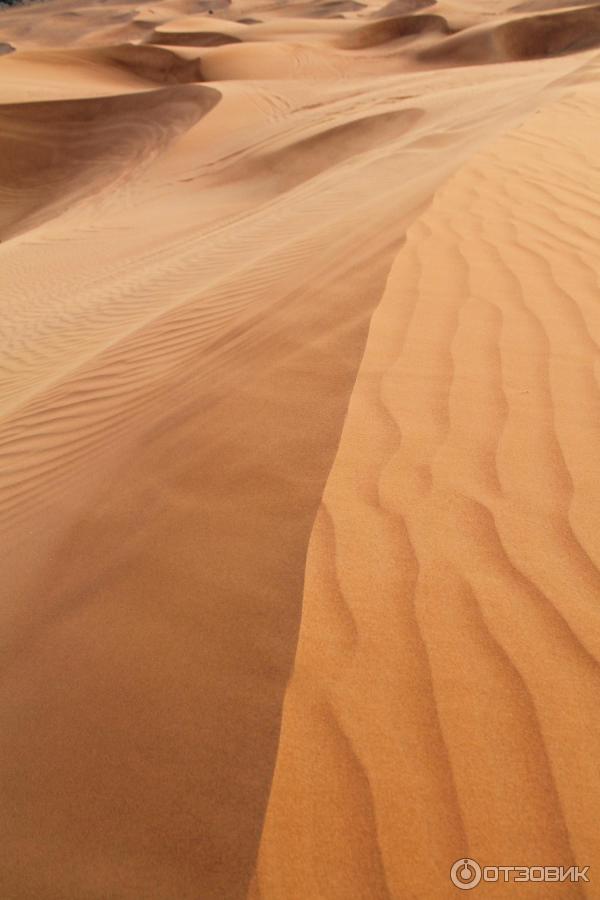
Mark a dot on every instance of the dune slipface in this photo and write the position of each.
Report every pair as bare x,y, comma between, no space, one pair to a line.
54,153
299,449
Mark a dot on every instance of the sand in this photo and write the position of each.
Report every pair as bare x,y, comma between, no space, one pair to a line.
299,448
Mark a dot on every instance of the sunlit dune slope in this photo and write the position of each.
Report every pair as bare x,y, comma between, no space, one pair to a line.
448,652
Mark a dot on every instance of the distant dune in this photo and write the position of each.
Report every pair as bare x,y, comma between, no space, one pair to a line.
534,37
299,448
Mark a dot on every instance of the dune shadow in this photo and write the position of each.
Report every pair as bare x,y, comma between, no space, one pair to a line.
54,153
168,616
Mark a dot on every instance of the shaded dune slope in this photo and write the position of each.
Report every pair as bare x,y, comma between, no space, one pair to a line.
74,73
60,26
326,9
308,157
548,5
401,8
52,154
217,515
393,29
533,37
155,64
193,38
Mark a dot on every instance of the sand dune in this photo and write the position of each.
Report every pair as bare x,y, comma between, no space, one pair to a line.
193,38
385,30
154,64
547,5
299,447
434,675
401,8
533,37
53,154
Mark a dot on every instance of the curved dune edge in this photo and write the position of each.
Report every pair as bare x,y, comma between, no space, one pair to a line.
450,602
74,73
394,28
548,5
402,7
53,154
153,64
531,37
192,38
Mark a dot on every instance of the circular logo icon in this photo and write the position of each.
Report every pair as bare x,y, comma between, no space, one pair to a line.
465,874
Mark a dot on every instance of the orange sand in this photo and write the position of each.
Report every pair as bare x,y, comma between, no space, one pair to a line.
299,448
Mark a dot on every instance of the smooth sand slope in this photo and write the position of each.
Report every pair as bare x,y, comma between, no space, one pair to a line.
299,448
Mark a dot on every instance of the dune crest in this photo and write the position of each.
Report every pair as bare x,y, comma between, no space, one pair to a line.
532,37
453,572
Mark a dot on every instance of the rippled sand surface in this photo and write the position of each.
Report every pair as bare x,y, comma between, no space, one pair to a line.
299,448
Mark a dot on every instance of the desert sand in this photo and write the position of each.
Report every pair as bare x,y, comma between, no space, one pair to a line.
299,447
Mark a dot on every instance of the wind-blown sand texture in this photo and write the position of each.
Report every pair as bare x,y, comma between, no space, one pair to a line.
299,447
